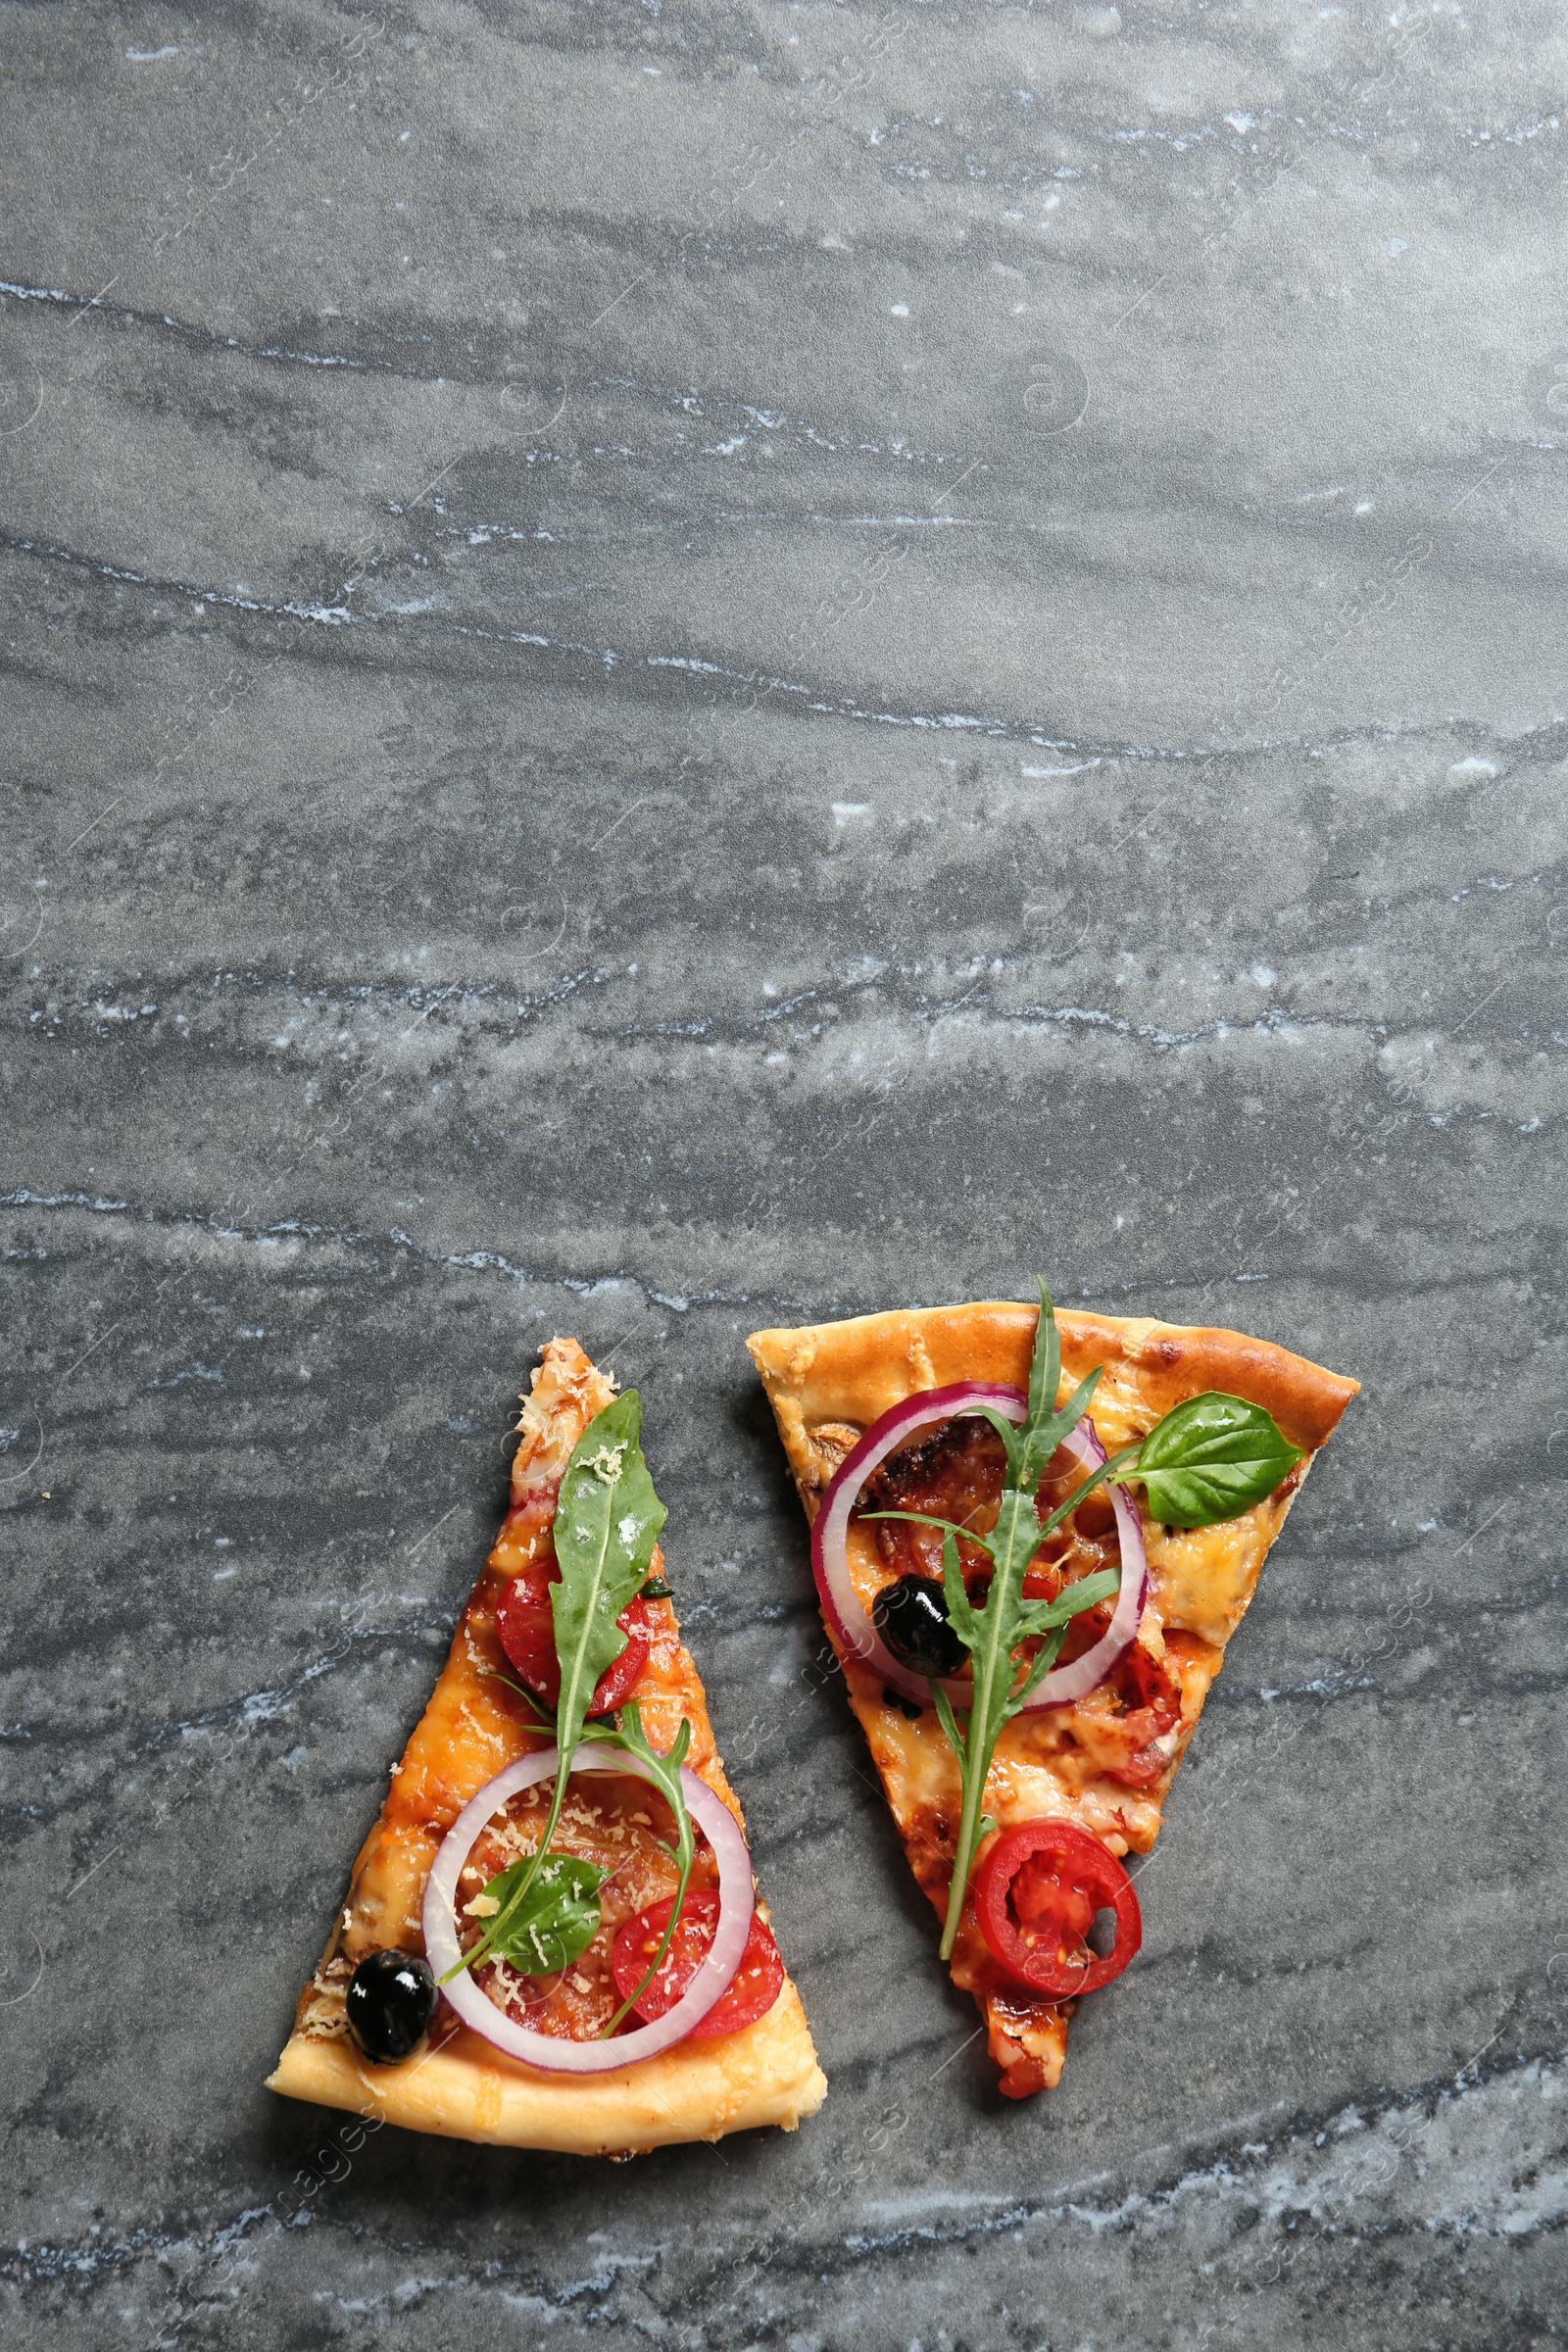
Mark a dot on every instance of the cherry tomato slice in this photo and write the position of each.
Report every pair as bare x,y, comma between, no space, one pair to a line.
526,1632
1036,1894
751,1992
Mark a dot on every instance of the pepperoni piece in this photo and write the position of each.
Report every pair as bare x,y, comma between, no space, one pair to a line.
526,1631
751,1992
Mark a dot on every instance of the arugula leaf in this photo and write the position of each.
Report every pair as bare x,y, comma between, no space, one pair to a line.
665,1773
1212,1459
543,1918
663,1769
994,1631
608,1519
536,1706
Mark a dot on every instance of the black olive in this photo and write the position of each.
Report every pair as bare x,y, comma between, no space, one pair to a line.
911,1617
391,1997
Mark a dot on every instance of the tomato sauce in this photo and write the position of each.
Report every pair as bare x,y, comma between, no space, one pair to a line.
955,1472
615,1821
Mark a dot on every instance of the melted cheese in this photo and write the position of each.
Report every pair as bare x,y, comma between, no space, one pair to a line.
471,1729
829,1384
1052,1764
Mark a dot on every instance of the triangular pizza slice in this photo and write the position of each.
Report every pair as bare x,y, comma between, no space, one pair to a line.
580,1964
904,1426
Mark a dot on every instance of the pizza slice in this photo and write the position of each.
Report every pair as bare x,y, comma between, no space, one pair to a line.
570,1960
1033,1537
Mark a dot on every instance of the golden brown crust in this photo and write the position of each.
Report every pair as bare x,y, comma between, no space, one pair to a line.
468,2090
827,1383
472,1726
853,1372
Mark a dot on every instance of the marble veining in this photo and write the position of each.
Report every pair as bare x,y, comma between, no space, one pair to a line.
671,667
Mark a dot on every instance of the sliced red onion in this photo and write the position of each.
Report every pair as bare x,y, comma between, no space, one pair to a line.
548,2051
842,1606
1064,1683
845,1614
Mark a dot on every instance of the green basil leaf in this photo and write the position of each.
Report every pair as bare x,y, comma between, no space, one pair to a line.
556,1916
1212,1459
608,1519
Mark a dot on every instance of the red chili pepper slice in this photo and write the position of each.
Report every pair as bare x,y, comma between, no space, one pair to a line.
751,1992
1036,1894
526,1632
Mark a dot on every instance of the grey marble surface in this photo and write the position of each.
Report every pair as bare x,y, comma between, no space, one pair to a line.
671,667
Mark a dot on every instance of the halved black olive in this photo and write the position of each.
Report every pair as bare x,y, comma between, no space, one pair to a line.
911,1617
391,1998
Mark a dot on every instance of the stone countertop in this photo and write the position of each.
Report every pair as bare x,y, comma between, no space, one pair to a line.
675,667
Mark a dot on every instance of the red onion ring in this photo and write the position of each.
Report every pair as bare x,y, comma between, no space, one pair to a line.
849,1621
548,2051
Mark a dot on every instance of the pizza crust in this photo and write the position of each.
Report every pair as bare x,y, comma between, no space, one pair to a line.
461,2086
829,1375
827,1383
468,2091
